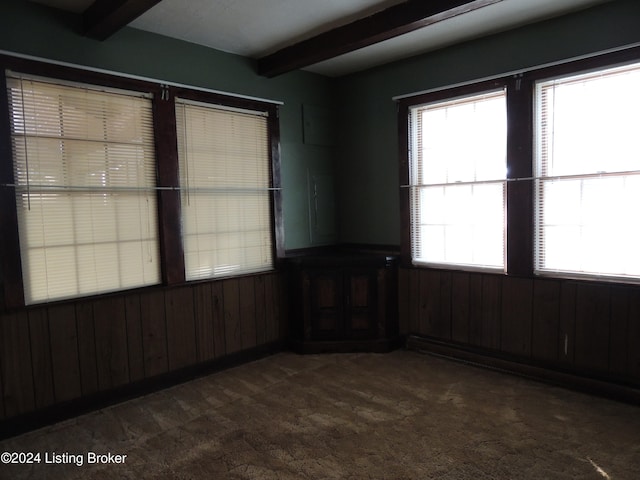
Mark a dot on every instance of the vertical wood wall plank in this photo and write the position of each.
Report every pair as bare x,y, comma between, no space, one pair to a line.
430,319
460,307
68,350
270,293
272,297
282,312
219,339
633,336
517,298
592,327
110,323
475,309
446,285
65,357
2,412
154,333
17,371
41,357
203,309
387,315
567,330
618,353
546,317
232,326
491,311
403,300
414,301
260,310
87,347
247,312
181,328
134,338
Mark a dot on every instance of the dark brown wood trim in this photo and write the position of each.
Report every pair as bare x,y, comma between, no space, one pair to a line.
12,279
449,93
391,22
216,98
103,18
593,62
493,360
404,191
519,194
346,249
404,106
169,207
273,121
276,184
72,74
11,287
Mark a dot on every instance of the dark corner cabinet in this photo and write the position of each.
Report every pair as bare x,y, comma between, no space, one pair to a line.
343,302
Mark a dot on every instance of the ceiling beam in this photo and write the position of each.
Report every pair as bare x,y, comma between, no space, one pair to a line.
103,18
391,22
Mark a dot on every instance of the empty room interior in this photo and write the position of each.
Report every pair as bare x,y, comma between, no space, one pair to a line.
282,239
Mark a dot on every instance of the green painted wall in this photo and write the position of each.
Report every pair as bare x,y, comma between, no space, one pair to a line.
31,29
367,170
364,164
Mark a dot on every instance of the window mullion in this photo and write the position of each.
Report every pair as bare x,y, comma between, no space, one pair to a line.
519,195
169,209
11,266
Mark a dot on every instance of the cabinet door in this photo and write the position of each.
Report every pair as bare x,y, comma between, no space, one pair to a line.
361,301
327,304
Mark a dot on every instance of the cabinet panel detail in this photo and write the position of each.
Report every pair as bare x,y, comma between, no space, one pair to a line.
343,300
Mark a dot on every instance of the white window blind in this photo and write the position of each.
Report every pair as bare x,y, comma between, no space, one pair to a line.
588,174
225,190
84,168
457,180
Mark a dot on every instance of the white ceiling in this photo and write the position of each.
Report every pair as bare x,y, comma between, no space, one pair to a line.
254,28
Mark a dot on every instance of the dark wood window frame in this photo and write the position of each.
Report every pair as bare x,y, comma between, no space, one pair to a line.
168,182
520,156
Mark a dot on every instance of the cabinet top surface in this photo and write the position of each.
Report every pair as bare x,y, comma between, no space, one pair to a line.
344,260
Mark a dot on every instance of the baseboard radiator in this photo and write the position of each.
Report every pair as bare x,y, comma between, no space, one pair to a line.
495,361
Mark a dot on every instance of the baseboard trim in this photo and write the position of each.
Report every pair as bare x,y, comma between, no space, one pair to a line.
56,413
480,358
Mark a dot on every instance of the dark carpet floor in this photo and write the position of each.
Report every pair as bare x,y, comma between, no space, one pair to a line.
402,415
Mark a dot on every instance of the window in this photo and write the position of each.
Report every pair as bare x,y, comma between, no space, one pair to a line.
457,178
534,174
84,173
587,166
225,187
113,183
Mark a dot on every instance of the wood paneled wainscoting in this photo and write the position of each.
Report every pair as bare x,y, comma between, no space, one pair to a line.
585,333
63,356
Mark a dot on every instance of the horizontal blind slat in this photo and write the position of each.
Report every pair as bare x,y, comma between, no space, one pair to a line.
224,180
73,149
